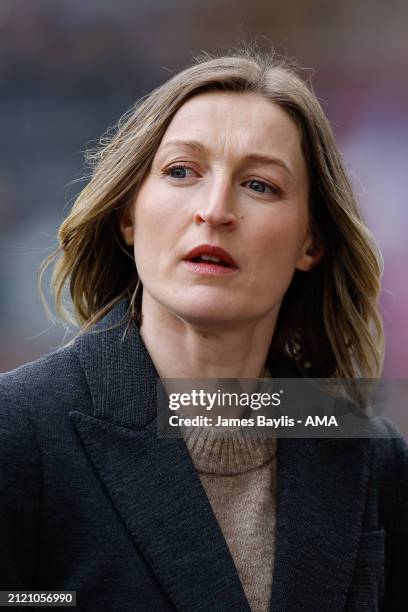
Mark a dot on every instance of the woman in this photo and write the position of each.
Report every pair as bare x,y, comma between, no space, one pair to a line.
217,238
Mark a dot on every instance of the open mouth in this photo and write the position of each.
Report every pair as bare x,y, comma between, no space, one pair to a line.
211,255
210,259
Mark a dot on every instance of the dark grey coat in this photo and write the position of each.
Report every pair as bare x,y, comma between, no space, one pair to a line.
92,500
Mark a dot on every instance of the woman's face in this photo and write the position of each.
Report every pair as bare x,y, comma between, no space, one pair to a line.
229,173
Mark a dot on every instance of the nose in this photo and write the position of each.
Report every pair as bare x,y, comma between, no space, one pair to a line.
218,209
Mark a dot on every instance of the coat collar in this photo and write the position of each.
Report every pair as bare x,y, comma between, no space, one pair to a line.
153,484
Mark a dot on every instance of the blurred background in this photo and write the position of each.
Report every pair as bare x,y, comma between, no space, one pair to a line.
71,69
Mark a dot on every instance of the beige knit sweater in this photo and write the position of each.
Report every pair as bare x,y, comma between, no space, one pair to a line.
239,476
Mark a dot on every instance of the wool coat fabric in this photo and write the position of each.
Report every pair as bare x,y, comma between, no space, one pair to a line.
92,500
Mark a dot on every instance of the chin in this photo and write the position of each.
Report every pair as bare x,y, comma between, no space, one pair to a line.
208,313
203,307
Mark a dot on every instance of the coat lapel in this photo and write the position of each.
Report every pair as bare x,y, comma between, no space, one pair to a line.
152,481
154,486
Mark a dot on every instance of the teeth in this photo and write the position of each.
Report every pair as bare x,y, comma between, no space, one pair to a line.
210,258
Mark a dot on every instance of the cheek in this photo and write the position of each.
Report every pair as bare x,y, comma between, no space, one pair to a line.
148,217
156,206
157,227
279,241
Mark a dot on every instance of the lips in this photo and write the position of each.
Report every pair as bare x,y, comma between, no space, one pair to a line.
211,255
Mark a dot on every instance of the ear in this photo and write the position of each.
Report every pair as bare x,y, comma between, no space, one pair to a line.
311,255
127,227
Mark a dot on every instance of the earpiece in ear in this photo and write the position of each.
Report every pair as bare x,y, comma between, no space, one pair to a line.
311,257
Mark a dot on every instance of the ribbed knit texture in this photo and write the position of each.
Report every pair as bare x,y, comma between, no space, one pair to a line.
238,474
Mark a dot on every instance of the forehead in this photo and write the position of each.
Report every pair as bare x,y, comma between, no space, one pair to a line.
233,124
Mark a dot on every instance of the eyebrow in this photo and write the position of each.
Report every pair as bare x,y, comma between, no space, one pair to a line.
250,157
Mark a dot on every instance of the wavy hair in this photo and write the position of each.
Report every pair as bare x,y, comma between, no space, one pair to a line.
329,321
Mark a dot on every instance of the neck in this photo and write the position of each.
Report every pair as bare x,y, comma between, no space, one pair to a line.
180,349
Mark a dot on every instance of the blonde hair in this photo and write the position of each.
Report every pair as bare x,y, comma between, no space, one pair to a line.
329,320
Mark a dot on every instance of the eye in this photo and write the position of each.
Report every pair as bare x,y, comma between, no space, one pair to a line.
261,186
179,172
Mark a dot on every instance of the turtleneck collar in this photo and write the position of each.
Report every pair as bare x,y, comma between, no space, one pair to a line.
215,452
223,451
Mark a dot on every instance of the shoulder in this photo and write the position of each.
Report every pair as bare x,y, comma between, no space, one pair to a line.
49,383
388,455
388,445
389,473
389,458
